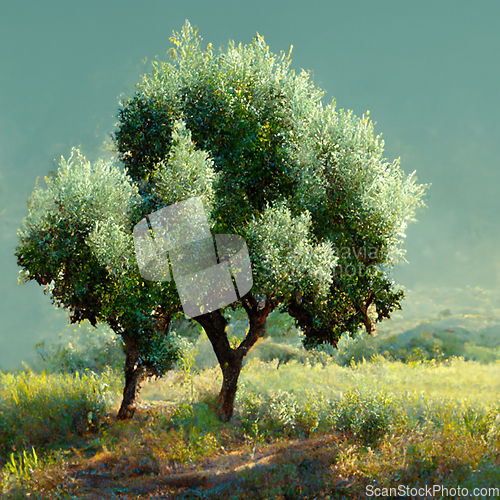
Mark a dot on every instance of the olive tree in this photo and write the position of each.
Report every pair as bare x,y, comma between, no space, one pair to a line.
76,241
307,187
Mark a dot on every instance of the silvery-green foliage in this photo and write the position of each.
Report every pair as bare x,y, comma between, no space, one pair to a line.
285,257
331,148
268,67
255,63
90,200
250,88
350,155
87,192
248,62
186,173
188,54
100,196
113,246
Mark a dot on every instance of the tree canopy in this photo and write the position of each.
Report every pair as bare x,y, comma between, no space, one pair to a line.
322,211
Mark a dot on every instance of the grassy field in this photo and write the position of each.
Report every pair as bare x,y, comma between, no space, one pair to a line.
417,405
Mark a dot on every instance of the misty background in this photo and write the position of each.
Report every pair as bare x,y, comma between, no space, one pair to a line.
427,71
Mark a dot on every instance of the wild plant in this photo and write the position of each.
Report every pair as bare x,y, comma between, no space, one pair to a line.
40,409
19,468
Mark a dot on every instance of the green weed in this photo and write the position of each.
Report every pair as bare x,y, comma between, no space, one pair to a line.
54,407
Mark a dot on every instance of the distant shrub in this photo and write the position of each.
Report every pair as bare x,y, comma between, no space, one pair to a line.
268,350
285,414
84,348
281,326
282,414
451,344
420,344
356,349
367,419
479,353
489,337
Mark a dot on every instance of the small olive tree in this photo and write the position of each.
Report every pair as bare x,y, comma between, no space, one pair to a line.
322,212
77,242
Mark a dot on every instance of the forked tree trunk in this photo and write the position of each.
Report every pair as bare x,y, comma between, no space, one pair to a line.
133,376
231,360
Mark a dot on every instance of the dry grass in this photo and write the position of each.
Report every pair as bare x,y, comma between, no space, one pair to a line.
367,424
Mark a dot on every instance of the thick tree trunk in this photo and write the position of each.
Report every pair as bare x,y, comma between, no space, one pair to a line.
133,376
231,360
230,374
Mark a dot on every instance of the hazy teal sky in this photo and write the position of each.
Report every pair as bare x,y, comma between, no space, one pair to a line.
428,72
